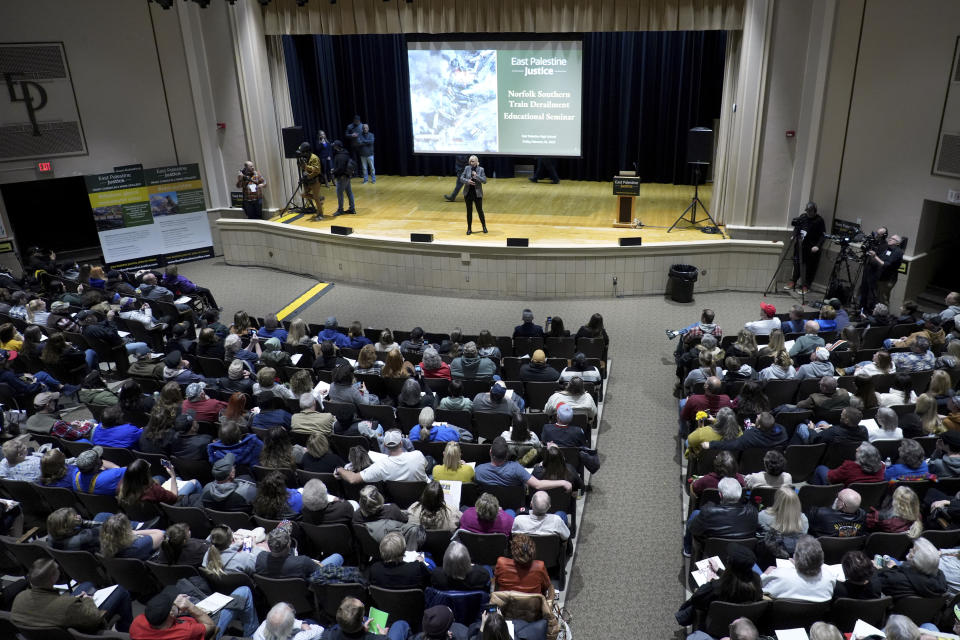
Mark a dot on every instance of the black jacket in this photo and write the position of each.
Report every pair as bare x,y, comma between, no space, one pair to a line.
816,230
531,372
906,581
341,160
869,591
725,521
839,434
827,521
752,438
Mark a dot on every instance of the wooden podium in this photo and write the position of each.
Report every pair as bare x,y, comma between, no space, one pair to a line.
626,188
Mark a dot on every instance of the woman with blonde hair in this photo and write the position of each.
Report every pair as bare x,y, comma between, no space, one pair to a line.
225,554
926,410
367,362
452,467
941,388
774,345
781,369
745,346
119,540
785,517
299,333
395,366
903,514
37,312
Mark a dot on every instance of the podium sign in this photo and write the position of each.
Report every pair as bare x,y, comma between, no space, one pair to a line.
626,185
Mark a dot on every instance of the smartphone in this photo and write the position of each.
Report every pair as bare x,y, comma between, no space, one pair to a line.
166,464
549,320
491,608
418,369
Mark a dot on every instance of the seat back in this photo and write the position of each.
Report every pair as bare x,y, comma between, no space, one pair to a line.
382,413
551,550
328,479
802,459
484,548
167,574
289,475
228,581
369,548
193,469
233,519
403,494
43,633
194,517
488,426
781,391
400,604
787,613
918,609
93,503
323,540
894,545
294,591
719,546
812,495
537,393
509,497
467,606
407,417
846,611
26,553
721,614
834,547
81,566
948,539
132,575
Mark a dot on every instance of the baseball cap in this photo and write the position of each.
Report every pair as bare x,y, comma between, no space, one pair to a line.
498,389
41,399
158,608
173,359
538,356
822,354
330,323
89,460
768,309
437,621
195,389
223,466
565,413
392,439
235,370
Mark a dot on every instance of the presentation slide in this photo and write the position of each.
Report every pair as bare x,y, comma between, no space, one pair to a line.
509,98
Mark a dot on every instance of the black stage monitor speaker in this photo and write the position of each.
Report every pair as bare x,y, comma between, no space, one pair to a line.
518,242
631,241
421,237
700,145
292,137
341,231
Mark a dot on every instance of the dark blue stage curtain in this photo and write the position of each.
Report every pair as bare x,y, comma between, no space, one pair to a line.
642,92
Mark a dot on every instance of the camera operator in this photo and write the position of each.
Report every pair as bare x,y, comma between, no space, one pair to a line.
310,170
252,184
809,232
881,259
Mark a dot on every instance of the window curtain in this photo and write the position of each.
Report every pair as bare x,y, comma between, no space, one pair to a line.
642,92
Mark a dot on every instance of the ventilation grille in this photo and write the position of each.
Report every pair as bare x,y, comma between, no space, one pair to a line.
35,62
948,161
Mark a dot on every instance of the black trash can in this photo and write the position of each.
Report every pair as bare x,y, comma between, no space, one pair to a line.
680,282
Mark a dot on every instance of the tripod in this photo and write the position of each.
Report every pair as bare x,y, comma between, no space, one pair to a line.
302,208
842,280
792,251
692,207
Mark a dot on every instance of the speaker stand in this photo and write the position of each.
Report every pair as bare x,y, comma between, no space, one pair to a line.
692,207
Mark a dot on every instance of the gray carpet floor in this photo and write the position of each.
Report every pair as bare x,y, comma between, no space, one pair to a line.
629,573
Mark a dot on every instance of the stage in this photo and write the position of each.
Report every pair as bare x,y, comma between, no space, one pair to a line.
568,214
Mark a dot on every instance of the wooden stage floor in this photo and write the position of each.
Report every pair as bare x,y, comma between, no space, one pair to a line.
570,213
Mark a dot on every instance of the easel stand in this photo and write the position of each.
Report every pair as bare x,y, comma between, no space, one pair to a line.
694,203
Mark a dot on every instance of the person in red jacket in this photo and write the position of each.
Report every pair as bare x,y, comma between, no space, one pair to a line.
711,400
206,409
867,467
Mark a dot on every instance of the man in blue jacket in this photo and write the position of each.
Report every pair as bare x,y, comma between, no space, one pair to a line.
365,148
331,334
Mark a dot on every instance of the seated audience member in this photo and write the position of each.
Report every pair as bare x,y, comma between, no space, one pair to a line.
233,350
724,466
173,435
765,434
136,405
903,514
711,400
736,372
169,616
866,467
523,443
774,345
919,358
18,462
723,427
768,321
68,531
310,421
496,401
373,508
274,356
910,313
119,540
530,330
708,346
879,317
369,365
178,340
931,330
396,367
554,466
947,465
414,396
433,366
274,500
320,507
911,463
452,467
426,430
507,473
281,623
796,321
226,492
575,396
486,516
93,390
400,465
226,553
731,518
738,583
487,346
941,388
951,421
521,572
781,368
180,548
537,370
454,401
708,368
805,344
245,450
95,475
54,470
745,346
919,575
780,526
278,450
43,606
880,364
864,395
924,420
829,398
281,563
901,627
267,383
209,345
561,432
861,581
819,365
540,522
138,486
352,626
238,378
471,366
828,318
415,344
901,392
273,413
773,474
180,285
695,332
318,457
331,333
458,573
211,319
205,409
357,339
271,329
580,368
344,389
848,430
391,572
843,519
805,579
386,343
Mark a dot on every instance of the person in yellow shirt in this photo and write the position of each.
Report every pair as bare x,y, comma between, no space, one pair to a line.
723,427
10,338
311,170
452,467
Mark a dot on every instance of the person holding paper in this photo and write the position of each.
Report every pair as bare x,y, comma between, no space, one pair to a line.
169,616
351,626
42,606
282,624
473,177
252,183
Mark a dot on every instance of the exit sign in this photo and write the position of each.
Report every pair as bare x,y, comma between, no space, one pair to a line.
44,166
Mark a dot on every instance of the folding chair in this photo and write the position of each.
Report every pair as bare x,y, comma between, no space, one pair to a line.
400,604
